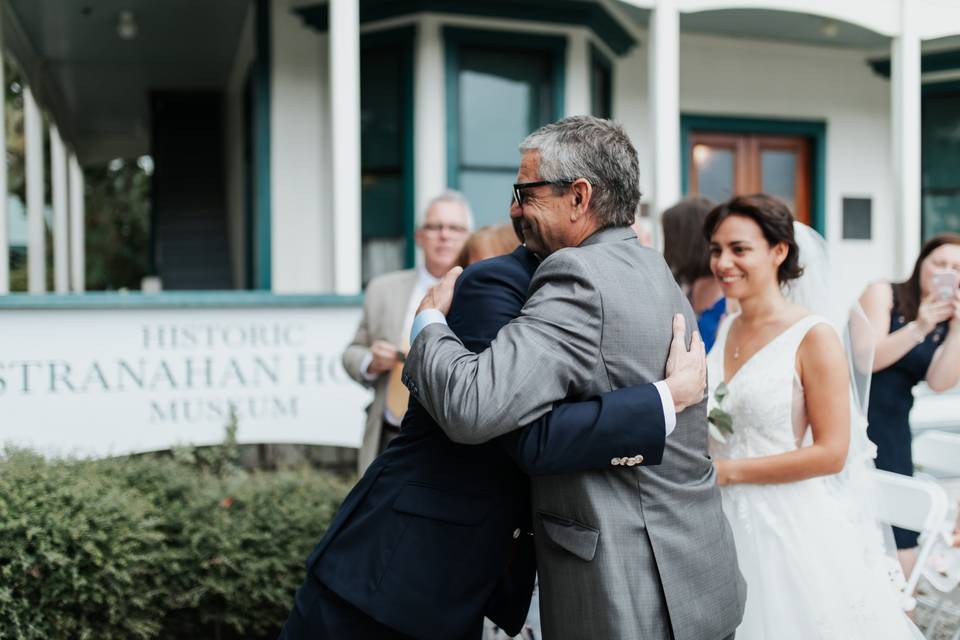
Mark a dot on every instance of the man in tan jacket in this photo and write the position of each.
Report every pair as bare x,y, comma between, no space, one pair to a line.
375,356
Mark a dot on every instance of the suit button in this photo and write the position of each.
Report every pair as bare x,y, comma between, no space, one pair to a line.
615,461
639,458
631,462
516,533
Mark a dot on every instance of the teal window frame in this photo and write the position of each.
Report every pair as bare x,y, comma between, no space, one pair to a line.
456,37
404,37
263,221
599,59
815,130
173,300
595,16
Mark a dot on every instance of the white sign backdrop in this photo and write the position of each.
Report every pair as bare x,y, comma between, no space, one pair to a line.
113,381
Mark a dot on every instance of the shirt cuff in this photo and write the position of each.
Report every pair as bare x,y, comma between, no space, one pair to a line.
669,411
364,365
425,317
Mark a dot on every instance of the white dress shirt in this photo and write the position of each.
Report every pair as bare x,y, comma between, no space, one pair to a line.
425,280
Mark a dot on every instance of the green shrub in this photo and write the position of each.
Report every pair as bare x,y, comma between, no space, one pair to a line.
147,547
79,554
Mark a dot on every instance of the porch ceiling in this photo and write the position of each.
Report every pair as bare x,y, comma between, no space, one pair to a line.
768,24
101,82
782,26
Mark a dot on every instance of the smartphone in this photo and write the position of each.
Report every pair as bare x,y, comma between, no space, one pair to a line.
945,283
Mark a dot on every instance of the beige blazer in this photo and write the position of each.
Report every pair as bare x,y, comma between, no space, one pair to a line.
385,304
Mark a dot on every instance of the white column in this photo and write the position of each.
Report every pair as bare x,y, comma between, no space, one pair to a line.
577,95
430,117
4,239
345,116
663,60
78,263
61,228
36,241
905,89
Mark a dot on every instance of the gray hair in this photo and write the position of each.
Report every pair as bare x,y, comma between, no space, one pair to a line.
455,197
597,150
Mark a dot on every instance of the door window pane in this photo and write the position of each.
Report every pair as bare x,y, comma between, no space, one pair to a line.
490,194
941,213
501,100
601,87
714,167
940,161
778,175
384,188
503,95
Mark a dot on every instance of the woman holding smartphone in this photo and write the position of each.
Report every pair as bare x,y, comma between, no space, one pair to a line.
917,325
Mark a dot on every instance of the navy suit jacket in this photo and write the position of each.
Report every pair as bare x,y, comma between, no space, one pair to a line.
436,535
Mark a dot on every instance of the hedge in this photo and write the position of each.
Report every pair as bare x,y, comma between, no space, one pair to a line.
188,546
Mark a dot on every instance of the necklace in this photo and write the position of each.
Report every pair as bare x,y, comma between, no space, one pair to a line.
743,343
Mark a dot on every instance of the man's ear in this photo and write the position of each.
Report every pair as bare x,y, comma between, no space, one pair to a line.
581,190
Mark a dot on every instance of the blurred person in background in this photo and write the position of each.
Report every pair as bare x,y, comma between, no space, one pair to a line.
687,253
917,325
375,356
488,242
644,230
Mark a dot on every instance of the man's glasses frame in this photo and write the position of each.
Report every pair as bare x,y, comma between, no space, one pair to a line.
452,229
520,186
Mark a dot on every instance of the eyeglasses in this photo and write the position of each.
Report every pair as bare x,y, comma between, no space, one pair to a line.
452,229
518,188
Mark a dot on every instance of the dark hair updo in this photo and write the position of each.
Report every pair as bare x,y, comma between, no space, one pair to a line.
773,217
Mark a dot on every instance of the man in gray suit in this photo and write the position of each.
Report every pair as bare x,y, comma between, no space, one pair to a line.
374,357
633,552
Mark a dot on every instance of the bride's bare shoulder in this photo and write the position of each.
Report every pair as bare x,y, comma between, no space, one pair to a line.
821,352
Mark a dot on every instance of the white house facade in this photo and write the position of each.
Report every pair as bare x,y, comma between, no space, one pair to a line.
296,142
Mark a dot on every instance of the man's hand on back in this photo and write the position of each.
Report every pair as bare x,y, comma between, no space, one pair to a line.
440,295
686,370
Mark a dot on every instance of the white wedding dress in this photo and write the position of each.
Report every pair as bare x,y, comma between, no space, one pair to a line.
812,568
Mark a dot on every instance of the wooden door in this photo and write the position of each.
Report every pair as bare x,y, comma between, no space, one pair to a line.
722,165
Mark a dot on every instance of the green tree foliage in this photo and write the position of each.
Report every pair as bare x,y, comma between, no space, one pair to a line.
118,225
117,206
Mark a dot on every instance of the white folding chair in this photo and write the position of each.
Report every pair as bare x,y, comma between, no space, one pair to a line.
937,453
914,504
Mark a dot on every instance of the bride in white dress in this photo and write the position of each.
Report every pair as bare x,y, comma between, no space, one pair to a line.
783,381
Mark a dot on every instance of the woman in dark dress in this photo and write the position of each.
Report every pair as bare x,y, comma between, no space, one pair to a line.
918,338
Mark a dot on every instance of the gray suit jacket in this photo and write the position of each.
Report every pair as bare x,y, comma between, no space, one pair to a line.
384,306
632,552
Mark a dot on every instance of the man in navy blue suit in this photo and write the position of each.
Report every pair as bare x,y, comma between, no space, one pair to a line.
436,535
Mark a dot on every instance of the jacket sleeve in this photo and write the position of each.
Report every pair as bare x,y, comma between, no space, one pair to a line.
587,435
359,347
536,360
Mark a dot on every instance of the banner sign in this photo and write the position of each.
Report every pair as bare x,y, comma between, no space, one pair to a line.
115,381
